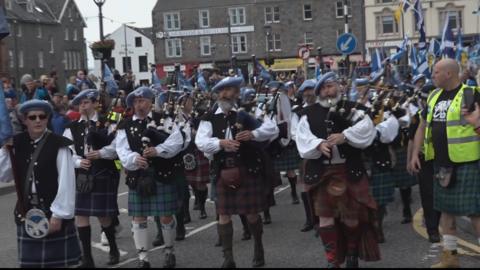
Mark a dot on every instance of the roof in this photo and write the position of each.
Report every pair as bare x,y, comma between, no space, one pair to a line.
45,11
146,31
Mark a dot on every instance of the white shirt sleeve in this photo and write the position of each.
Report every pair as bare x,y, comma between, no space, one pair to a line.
76,159
388,129
204,140
307,143
109,151
266,131
294,122
172,145
126,155
6,174
64,204
362,134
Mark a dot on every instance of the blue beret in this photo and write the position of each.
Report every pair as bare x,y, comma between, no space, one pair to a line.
326,78
417,78
277,85
375,77
307,84
361,82
84,94
228,82
11,93
289,84
247,95
36,105
142,92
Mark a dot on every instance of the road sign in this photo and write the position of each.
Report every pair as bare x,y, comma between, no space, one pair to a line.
304,52
346,43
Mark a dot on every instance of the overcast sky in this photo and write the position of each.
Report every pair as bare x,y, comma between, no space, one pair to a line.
115,13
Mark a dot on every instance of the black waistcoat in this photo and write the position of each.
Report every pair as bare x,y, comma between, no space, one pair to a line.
45,170
98,138
166,169
317,116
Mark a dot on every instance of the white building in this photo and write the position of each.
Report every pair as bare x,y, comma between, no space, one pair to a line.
136,44
383,31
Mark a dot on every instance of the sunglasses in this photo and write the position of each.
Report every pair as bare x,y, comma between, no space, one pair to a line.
37,116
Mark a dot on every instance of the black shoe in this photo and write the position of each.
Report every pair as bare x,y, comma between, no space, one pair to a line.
158,242
114,258
267,219
187,219
87,263
380,237
434,237
218,243
246,236
406,220
143,264
170,261
258,262
228,262
307,227
203,214
295,199
180,234
352,262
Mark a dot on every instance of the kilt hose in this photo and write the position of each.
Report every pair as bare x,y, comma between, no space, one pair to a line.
249,198
164,203
382,186
61,249
102,201
463,198
399,174
201,174
354,204
287,160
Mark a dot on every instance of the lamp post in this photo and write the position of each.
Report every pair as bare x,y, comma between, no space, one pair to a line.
268,33
99,4
320,58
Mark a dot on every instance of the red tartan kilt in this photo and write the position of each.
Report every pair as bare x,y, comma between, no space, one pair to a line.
249,198
201,174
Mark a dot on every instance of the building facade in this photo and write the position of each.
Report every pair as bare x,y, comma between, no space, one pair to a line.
133,51
3,52
382,30
212,31
45,36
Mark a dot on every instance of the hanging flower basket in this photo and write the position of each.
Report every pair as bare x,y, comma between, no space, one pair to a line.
102,49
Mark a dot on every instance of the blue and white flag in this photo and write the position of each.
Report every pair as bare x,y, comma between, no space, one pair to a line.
376,62
459,50
423,67
6,130
201,82
156,82
183,83
420,21
447,46
264,74
3,24
111,85
413,58
401,50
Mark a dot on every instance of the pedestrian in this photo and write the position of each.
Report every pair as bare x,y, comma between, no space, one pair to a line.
59,119
45,183
231,138
152,188
454,147
96,174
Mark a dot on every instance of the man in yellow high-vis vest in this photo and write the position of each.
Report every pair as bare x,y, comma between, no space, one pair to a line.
453,145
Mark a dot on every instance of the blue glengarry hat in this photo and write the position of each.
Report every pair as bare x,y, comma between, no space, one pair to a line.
289,84
277,85
307,84
141,92
36,105
418,78
247,95
326,78
228,82
361,82
87,93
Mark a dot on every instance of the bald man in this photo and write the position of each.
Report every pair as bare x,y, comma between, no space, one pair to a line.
451,142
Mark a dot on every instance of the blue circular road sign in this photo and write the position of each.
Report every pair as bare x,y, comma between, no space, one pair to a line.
346,43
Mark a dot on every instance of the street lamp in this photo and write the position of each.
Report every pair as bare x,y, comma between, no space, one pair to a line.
100,3
268,32
320,58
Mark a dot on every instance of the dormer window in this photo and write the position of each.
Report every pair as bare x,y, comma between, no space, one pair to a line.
30,5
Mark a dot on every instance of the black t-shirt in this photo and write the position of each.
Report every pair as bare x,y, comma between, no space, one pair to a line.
439,125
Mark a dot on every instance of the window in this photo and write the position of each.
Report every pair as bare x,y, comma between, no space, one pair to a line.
237,16
66,34
143,63
454,19
30,5
19,30
111,62
52,49
127,64
307,12
386,24
11,59
339,8
70,12
65,59
75,35
39,31
8,4
272,14
40,59
20,59
171,21
308,38
384,1
138,42
205,46
173,47
204,18
239,43
274,43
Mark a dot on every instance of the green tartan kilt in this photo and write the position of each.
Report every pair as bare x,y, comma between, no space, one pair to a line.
399,174
382,187
463,198
164,203
287,160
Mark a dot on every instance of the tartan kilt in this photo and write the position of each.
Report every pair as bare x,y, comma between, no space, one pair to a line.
382,187
61,249
399,174
249,198
201,174
287,160
102,201
164,203
463,198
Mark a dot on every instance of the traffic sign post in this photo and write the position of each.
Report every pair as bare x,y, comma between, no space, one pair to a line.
346,43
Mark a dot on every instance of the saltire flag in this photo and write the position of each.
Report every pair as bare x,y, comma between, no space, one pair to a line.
111,85
318,71
183,83
420,21
156,82
201,82
4,31
353,94
264,74
459,50
433,52
376,62
6,130
423,66
403,7
413,58
447,46
401,50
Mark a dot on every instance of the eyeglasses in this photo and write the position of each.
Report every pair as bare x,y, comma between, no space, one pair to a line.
37,116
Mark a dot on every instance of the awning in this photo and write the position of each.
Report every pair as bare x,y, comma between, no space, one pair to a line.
285,64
